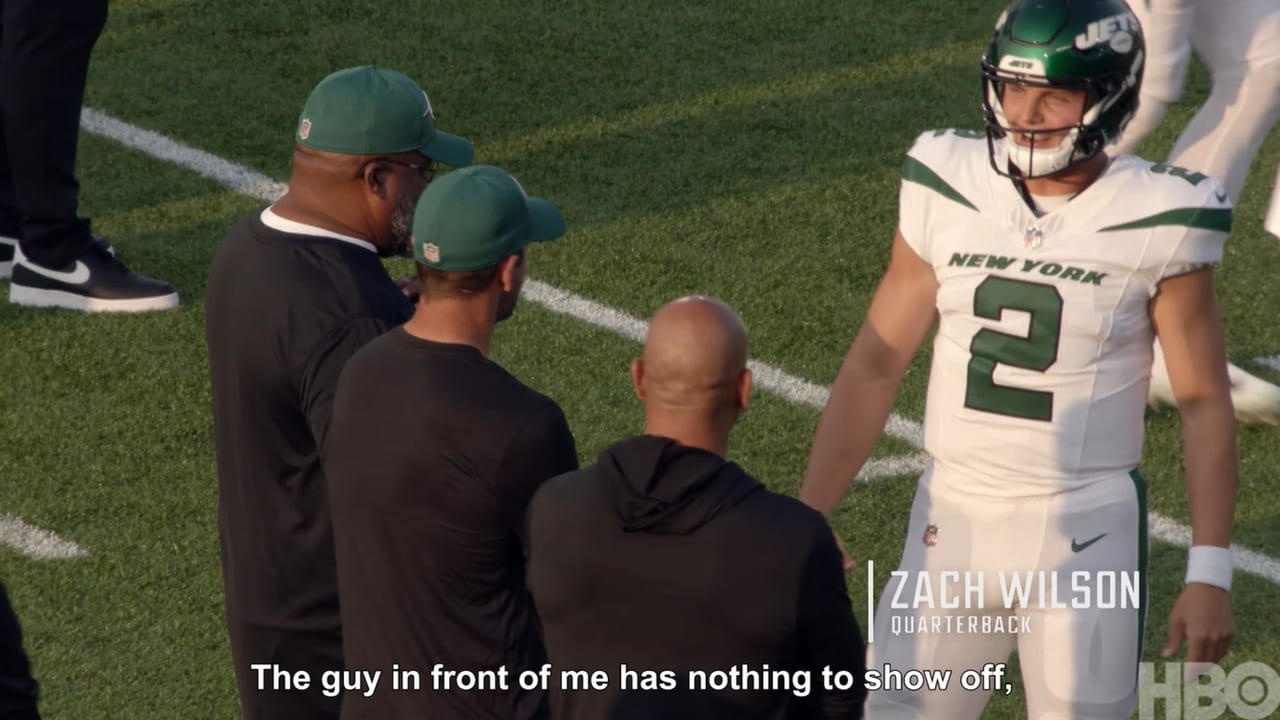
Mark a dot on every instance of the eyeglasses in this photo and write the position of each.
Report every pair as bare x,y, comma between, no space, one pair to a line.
427,171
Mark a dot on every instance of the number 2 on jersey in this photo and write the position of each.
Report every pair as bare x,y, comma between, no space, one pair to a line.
1037,350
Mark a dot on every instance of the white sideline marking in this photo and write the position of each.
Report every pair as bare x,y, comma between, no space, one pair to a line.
1250,561
790,387
1272,362
35,542
233,176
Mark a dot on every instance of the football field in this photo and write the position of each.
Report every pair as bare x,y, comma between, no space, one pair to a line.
747,150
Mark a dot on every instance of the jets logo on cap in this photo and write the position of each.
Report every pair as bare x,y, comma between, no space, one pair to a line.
304,129
431,252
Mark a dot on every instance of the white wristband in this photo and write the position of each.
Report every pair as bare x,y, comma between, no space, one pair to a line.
1210,565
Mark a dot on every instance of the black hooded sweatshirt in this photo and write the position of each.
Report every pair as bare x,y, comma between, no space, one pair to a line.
662,557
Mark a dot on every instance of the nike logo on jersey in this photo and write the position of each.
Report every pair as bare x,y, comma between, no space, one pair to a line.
78,275
1078,546
1221,195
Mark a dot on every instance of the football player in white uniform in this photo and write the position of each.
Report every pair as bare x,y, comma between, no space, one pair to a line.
1239,40
1050,267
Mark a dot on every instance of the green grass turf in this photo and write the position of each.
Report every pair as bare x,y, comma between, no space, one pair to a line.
748,150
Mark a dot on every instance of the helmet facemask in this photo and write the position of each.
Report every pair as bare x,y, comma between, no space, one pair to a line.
1077,142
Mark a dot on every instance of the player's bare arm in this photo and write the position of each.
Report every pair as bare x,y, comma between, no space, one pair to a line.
1185,315
901,314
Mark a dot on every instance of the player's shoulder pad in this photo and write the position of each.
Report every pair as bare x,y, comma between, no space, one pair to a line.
1169,196
946,161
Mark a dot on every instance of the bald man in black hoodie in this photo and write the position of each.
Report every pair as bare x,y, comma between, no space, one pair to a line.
666,556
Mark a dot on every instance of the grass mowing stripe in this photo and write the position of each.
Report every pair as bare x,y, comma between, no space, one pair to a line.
793,389
36,542
792,88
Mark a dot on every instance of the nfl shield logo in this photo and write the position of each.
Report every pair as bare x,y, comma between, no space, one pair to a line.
1034,238
304,129
930,535
431,252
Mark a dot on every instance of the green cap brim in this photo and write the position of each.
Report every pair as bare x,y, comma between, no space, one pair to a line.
449,149
547,222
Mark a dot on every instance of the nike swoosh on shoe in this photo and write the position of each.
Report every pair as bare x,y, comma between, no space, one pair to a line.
77,276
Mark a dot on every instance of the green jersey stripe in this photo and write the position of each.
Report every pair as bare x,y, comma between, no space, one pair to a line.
1144,553
1203,218
917,172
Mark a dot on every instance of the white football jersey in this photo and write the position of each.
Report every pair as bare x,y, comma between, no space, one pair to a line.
1043,352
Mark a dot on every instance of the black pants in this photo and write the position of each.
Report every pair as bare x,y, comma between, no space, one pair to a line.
292,650
17,689
44,61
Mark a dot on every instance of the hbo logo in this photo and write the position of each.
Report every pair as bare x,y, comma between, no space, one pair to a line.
1204,691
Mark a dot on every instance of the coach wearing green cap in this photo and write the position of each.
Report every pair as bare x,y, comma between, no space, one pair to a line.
435,452
293,292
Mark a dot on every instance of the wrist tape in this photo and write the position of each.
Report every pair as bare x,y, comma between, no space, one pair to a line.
1210,565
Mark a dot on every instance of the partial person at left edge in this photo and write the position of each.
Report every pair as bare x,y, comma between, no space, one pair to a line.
47,248
18,690
294,291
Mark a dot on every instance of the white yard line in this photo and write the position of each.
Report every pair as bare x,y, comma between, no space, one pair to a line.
793,389
35,542
1250,561
229,174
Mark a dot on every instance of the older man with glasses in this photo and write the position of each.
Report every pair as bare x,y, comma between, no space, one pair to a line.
293,292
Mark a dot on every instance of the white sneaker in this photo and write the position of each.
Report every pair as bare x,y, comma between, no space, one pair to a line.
95,282
1256,400
8,246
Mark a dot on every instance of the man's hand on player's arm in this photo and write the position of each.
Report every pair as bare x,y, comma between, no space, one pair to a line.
411,286
897,322
1185,314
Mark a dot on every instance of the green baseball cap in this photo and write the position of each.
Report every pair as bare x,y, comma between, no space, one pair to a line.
373,111
472,218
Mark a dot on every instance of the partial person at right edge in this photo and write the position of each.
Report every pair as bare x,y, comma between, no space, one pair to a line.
1239,41
664,555
434,453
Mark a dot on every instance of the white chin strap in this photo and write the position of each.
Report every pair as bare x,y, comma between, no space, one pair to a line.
1041,161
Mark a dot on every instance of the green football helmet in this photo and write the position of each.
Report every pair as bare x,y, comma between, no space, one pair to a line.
1091,45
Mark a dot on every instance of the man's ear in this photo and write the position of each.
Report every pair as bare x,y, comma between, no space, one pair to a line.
508,271
637,377
743,390
374,178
